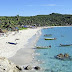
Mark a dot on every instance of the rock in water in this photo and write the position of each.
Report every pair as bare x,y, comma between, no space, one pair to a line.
7,66
66,55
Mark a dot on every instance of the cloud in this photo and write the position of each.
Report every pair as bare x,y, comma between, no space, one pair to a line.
45,5
51,5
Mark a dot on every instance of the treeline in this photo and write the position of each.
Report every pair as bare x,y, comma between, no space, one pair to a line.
53,19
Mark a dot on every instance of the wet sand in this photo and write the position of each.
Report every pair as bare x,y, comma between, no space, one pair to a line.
25,55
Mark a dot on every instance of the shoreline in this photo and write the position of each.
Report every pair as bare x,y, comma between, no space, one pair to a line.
7,50
22,54
55,26
25,55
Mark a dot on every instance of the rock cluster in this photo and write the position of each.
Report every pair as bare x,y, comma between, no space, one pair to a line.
30,67
63,56
7,66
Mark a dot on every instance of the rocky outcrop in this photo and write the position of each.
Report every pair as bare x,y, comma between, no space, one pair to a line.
60,55
7,66
37,68
63,57
28,67
66,55
31,68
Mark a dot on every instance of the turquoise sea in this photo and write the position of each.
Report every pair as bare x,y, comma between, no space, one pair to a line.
46,59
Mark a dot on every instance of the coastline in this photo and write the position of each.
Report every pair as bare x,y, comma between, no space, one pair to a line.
21,54
7,50
25,55
21,38
63,36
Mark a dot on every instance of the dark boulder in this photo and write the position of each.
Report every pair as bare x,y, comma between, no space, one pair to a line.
37,68
19,67
28,67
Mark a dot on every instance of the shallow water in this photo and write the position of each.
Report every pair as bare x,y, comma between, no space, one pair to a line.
46,58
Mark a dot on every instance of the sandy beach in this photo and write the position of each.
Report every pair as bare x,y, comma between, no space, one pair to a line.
22,52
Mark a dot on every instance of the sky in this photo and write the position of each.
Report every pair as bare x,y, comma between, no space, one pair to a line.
34,7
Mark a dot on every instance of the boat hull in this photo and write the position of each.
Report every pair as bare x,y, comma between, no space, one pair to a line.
50,38
39,47
66,45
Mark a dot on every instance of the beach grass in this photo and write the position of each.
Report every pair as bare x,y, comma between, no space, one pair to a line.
23,28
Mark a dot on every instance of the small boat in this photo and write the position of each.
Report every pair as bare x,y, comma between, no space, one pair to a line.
48,35
43,47
65,44
12,43
50,38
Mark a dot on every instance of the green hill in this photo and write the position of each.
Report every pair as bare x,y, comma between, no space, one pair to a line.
53,19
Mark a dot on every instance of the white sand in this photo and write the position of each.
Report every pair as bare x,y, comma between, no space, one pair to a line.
15,52
8,50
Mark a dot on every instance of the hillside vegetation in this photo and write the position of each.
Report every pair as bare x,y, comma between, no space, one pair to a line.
53,19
